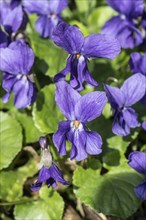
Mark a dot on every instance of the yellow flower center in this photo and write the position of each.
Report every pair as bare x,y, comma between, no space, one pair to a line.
78,55
76,123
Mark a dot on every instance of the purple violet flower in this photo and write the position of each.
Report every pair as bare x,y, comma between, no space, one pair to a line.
121,101
16,62
49,173
123,26
78,110
12,16
144,125
137,160
138,65
49,12
3,39
71,39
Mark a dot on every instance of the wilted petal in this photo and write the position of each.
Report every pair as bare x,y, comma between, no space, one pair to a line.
57,6
119,126
59,137
44,175
93,143
13,20
57,174
140,190
137,160
90,106
134,89
101,45
78,140
66,98
130,8
68,37
115,96
138,63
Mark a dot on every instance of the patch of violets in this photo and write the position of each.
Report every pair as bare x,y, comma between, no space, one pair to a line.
50,172
121,100
138,65
80,49
16,62
79,110
137,160
49,12
17,59
124,25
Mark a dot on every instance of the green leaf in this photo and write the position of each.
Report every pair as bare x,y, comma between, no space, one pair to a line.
11,182
97,18
11,139
118,143
85,5
49,207
112,194
31,133
46,114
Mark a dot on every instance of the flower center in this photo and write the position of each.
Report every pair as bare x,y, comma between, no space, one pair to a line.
76,124
77,55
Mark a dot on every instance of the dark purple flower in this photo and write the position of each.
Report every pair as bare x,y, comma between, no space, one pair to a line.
3,39
137,160
49,173
78,110
121,101
80,49
144,125
49,12
16,62
12,16
138,65
123,26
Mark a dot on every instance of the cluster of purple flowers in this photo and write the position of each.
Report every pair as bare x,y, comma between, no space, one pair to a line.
17,59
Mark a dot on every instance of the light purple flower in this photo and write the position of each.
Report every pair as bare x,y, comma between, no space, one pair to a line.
16,62
138,65
121,101
123,26
71,39
49,173
137,160
49,12
79,110
12,16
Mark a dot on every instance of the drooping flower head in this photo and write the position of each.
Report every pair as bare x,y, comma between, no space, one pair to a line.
121,101
71,39
79,110
138,65
16,62
49,173
123,26
12,16
49,12
137,160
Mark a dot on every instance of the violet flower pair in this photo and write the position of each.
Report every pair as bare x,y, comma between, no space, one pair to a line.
137,160
16,63
49,173
80,49
49,12
121,99
123,26
79,110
